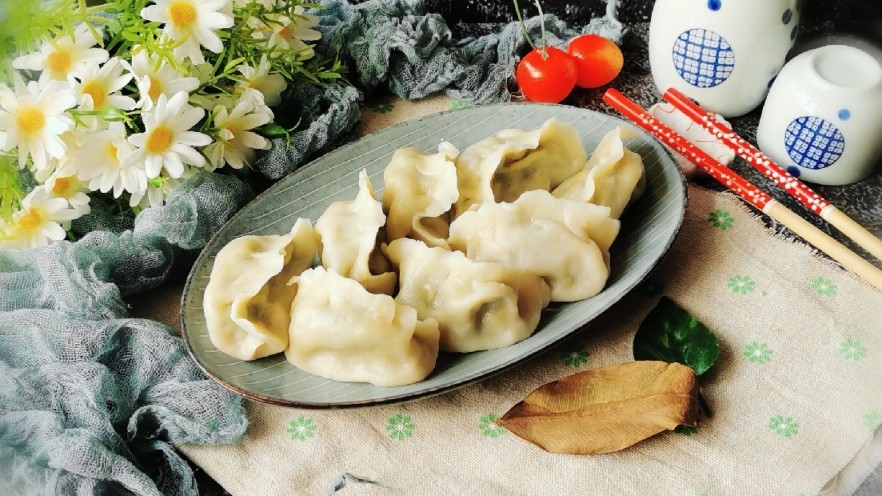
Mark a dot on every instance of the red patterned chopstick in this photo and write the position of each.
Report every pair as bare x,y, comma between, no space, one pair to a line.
786,181
726,176
747,190
789,183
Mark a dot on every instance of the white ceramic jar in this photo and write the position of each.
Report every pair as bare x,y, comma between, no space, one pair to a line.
822,120
721,53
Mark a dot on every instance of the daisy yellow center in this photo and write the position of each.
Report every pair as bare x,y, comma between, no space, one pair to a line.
182,14
112,151
59,63
31,220
61,186
155,88
96,91
160,140
31,121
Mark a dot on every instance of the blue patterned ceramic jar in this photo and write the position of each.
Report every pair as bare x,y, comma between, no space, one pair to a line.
822,120
724,54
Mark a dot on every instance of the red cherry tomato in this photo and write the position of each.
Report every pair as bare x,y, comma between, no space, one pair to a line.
598,60
548,78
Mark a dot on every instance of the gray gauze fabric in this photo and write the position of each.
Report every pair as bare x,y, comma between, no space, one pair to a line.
92,402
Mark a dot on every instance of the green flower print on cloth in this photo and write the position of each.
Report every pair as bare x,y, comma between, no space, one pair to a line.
873,420
382,108
823,286
459,104
757,352
302,428
783,426
741,284
488,428
721,219
400,427
852,350
574,357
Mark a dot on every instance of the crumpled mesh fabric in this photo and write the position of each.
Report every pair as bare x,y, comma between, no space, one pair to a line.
92,402
96,402
332,114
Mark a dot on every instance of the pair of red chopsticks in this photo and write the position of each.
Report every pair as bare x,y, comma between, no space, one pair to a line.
749,191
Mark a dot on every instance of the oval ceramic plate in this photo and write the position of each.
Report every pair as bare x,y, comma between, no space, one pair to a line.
648,228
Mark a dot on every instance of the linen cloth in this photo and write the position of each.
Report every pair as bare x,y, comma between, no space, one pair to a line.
794,394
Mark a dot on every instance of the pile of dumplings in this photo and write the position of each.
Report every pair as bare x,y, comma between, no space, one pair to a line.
462,253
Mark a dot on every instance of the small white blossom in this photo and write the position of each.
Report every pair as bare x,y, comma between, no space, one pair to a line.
33,118
65,184
287,33
260,79
155,80
158,190
191,22
102,162
236,141
167,143
99,86
39,220
64,57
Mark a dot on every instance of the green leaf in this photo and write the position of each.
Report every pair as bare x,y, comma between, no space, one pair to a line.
669,333
274,131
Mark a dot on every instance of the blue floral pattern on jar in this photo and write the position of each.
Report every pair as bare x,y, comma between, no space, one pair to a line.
703,58
813,142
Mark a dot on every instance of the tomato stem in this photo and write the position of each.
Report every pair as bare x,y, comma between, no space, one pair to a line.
542,28
524,29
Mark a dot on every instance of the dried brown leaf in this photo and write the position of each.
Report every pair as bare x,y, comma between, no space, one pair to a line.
606,409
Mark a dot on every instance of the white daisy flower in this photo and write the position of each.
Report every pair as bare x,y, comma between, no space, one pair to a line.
65,184
167,142
158,190
99,86
191,22
64,57
39,220
33,119
101,162
260,79
155,80
287,33
236,141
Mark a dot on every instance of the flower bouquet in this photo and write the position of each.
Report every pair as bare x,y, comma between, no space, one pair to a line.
129,98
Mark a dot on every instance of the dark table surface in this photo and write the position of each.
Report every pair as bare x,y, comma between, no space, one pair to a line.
823,22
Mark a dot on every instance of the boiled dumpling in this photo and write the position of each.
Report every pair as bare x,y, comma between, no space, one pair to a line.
419,190
503,166
573,266
478,305
347,236
613,176
247,301
340,331
586,220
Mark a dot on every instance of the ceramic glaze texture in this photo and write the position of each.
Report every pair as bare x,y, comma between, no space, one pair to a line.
722,53
822,119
